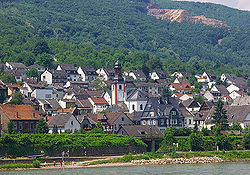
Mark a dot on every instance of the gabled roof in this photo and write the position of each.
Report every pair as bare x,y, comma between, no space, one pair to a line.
83,103
138,73
189,103
237,113
15,72
109,71
97,117
211,75
89,70
162,74
81,118
17,65
222,89
99,100
59,120
181,86
113,116
136,95
53,103
35,66
20,112
241,101
142,131
60,73
66,110
95,93
67,67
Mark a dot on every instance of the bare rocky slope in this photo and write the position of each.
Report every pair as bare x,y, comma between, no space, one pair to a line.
181,15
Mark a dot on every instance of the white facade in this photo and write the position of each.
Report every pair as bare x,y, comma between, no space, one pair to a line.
189,122
135,105
85,77
46,76
234,95
43,94
102,74
154,76
98,107
232,88
107,97
117,92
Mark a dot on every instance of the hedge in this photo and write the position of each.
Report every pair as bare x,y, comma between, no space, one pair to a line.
28,144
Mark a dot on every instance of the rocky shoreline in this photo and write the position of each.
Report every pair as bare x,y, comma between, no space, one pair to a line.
164,161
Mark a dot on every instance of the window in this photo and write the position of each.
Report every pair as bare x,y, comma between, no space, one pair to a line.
173,112
143,132
141,107
122,118
47,95
190,121
120,87
72,123
133,107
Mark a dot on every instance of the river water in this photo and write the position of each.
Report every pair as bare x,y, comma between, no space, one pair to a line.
241,168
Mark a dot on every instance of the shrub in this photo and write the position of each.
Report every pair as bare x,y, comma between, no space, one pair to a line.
36,164
196,141
246,141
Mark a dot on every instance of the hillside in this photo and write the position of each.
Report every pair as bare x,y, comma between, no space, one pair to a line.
99,32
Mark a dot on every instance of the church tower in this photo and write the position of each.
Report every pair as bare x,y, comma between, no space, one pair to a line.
118,86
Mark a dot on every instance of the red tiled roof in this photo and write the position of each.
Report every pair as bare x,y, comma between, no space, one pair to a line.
67,110
99,100
181,86
25,112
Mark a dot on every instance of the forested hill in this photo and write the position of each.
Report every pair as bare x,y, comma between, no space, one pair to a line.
97,32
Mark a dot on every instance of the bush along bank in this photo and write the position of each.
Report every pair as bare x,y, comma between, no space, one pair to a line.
51,144
198,142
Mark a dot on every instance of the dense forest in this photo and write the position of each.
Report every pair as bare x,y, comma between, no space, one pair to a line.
99,32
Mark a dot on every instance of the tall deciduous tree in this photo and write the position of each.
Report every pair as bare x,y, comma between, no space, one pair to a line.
17,99
41,47
219,116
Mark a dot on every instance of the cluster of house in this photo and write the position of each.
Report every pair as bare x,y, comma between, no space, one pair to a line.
70,98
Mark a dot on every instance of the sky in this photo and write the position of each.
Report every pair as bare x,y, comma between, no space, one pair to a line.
239,4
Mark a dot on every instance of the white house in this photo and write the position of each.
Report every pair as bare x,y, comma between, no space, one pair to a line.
236,94
107,97
106,74
87,73
232,88
64,121
159,74
136,100
44,93
70,71
54,76
137,75
99,104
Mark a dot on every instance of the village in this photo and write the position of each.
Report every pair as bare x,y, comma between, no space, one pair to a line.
129,103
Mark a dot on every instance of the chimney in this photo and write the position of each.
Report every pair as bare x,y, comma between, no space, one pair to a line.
16,114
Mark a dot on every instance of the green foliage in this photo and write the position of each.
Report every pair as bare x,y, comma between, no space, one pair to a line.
14,166
7,78
205,132
16,99
223,142
236,126
199,99
88,34
55,129
195,129
33,72
99,85
195,140
11,127
41,47
36,164
166,92
216,129
28,144
246,141
41,127
169,138
45,60
219,116
68,131
182,131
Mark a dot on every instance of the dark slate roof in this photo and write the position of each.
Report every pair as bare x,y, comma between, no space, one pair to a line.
144,84
16,72
142,131
109,71
189,103
95,93
222,89
211,75
139,73
17,65
89,70
238,113
59,119
83,103
81,118
162,74
113,116
67,67
136,95
186,74
32,80
136,116
53,104
35,66
60,73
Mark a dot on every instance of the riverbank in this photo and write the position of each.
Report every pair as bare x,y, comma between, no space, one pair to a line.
150,159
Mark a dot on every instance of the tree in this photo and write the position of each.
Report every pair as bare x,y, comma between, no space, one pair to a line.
219,116
33,72
154,64
246,141
41,47
195,141
199,99
11,127
99,85
169,138
6,78
236,126
166,92
205,131
195,130
41,127
17,99
45,60
55,129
